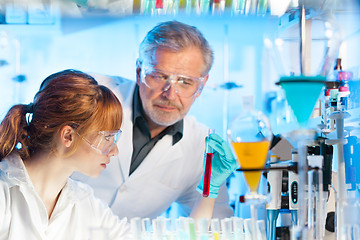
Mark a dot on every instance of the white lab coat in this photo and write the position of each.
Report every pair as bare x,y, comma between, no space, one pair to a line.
23,215
169,173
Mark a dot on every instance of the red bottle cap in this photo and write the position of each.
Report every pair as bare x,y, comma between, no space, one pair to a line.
343,89
345,75
327,93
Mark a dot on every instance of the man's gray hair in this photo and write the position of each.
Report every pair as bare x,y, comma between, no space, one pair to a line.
175,36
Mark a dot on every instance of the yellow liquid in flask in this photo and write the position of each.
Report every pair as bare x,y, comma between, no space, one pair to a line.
251,155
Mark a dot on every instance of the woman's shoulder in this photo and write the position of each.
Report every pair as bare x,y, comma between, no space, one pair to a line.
80,192
4,192
78,189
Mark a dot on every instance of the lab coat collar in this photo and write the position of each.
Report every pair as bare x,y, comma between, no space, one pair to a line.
15,174
162,153
14,169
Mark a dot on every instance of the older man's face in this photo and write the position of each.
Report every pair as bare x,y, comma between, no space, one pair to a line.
166,107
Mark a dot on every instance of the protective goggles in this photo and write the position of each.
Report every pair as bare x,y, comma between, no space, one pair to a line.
185,86
104,141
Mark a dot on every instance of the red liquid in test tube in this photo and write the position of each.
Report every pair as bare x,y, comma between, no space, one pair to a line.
207,175
159,4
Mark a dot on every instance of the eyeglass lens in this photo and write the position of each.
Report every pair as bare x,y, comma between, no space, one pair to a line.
184,86
105,141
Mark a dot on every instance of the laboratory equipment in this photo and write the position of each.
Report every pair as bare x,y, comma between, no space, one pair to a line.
208,165
342,196
302,93
250,136
146,229
293,189
238,228
226,227
203,228
215,228
274,179
238,7
233,228
218,6
316,216
302,89
135,226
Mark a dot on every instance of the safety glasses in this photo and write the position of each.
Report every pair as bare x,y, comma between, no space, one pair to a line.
185,86
104,141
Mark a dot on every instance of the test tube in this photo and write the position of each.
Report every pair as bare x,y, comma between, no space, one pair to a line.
146,228
261,230
226,228
248,229
159,7
192,229
159,4
238,228
218,6
204,6
203,227
158,228
180,228
238,7
208,165
215,228
135,225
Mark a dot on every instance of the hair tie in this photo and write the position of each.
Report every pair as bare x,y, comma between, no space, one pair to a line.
30,108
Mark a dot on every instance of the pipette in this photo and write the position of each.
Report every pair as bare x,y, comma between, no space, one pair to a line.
208,165
274,179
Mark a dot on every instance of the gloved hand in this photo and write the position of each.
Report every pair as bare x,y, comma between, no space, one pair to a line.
223,164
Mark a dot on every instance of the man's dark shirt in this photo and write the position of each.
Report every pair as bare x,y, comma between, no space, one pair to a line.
142,142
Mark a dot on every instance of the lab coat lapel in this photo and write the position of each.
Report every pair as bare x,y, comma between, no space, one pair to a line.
162,153
125,143
124,90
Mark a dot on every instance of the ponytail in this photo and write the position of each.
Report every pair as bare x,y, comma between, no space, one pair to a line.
14,130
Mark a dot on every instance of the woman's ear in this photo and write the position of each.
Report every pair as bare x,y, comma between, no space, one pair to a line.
67,136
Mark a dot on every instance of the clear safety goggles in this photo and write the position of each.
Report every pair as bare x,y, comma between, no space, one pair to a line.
185,86
104,141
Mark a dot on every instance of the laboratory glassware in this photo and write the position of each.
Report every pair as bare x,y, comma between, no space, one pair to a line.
250,136
302,93
208,165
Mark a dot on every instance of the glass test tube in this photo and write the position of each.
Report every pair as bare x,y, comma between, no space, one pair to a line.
159,7
238,228
203,227
135,225
261,230
215,228
226,227
208,165
146,229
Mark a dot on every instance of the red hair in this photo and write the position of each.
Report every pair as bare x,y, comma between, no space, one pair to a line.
64,98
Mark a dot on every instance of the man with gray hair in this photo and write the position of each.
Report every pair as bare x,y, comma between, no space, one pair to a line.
161,151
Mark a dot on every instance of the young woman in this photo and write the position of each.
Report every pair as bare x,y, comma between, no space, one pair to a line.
72,125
